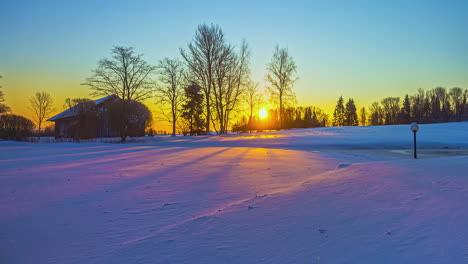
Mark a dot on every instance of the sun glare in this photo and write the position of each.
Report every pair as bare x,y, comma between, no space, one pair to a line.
263,113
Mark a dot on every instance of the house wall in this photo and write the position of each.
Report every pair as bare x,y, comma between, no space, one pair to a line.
64,128
84,126
91,124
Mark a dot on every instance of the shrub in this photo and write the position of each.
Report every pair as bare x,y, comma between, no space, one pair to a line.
15,127
129,118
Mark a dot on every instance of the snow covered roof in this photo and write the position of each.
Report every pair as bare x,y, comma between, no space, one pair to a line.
73,111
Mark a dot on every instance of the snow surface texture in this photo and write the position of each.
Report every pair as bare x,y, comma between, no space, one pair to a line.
328,195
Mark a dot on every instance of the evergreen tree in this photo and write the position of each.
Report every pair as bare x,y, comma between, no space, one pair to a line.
426,110
363,116
435,112
351,118
339,113
192,110
3,107
405,113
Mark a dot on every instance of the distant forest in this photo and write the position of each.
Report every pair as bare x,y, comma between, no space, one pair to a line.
434,106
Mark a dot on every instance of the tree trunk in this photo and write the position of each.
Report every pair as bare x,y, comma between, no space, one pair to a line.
39,131
208,113
123,135
281,111
191,126
173,122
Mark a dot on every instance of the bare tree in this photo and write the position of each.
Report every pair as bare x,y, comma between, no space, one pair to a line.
125,74
170,94
281,77
390,109
376,114
253,97
201,57
42,107
456,95
231,78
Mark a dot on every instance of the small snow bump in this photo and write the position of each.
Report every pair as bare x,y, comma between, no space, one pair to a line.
323,230
341,166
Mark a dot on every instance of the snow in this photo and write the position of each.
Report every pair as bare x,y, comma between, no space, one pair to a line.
326,195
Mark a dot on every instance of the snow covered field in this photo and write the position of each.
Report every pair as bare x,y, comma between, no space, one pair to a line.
327,195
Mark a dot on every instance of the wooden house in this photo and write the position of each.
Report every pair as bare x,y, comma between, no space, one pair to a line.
85,120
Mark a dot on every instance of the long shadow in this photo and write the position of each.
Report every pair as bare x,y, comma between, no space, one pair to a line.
111,151
112,159
100,194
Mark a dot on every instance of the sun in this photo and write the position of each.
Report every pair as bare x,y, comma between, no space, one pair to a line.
263,113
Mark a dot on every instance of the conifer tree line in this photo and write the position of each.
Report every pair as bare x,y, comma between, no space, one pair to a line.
434,106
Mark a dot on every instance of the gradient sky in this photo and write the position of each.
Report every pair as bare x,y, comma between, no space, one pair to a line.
361,49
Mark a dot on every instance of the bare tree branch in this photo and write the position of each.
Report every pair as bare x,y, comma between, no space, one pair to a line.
125,74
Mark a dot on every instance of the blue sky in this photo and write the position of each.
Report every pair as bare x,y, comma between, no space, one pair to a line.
361,49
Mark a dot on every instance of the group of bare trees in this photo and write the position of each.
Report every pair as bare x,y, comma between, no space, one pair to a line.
15,126
224,77
209,65
209,62
222,73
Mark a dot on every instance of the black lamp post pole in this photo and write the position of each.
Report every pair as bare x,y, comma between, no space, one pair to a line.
415,154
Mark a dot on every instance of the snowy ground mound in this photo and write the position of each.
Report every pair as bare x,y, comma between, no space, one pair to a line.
327,195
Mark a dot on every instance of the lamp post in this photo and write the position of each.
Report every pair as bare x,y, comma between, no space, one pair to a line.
414,127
